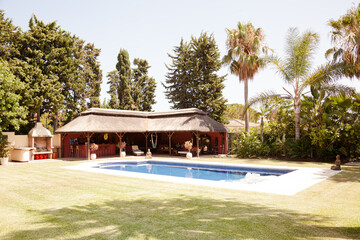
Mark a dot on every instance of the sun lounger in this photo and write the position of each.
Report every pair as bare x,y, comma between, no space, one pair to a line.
136,150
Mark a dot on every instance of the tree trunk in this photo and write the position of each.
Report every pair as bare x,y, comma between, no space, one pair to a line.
56,122
262,128
297,109
246,103
38,116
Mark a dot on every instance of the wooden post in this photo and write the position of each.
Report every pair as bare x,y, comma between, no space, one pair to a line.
88,145
120,135
225,143
88,136
197,144
146,134
62,145
170,135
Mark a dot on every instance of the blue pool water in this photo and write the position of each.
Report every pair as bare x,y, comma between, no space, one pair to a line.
192,170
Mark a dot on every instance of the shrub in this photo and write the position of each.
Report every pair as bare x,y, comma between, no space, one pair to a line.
4,147
249,145
299,148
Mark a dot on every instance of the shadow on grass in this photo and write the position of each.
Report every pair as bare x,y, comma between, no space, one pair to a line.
180,218
349,174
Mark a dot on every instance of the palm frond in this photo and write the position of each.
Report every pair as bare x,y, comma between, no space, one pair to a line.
300,52
334,89
280,67
244,45
262,98
327,73
338,89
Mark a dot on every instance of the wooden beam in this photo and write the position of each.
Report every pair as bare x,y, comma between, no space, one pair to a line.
197,135
146,134
62,145
88,136
170,135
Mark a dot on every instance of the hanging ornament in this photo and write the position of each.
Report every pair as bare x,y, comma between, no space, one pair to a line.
106,136
154,143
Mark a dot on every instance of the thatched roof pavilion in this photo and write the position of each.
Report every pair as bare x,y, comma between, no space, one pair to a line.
115,121
119,122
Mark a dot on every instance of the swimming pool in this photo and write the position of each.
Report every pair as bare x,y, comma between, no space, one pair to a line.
258,178
213,172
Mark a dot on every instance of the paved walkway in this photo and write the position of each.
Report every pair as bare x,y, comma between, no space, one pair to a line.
161,156
287,184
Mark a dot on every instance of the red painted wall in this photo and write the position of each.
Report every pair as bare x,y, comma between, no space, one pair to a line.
139,139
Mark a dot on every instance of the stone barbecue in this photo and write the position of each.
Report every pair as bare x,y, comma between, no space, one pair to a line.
40,139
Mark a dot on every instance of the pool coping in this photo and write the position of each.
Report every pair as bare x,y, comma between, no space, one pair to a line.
287,184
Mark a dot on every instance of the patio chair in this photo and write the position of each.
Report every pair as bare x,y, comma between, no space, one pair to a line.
136,150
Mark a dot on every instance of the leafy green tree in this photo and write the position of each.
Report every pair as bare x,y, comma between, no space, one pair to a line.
345,116
279,127
12,113
318,116
105,104
234,110
192,80
345,35
245,44
47,66
61,71
296,70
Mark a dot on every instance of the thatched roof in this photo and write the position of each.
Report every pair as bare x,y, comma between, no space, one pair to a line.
108,120
239,125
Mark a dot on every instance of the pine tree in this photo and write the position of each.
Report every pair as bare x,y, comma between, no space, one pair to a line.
131,89
148,95
9,35
179,78
113,81
209,85
192,80
143,87
60,72
91,73
124,89
38,65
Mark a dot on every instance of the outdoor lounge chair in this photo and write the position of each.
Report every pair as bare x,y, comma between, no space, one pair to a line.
136,150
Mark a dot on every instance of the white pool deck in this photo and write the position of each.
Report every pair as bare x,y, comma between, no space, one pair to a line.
287,184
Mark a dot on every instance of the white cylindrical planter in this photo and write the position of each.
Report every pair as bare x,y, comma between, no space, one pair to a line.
93,156
189,155
4,161
123,154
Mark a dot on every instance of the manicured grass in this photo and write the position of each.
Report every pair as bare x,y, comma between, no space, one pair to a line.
45,201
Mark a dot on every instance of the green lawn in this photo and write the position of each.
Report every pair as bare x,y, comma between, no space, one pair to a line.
45,201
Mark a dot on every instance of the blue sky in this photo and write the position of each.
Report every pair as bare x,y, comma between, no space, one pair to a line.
151,29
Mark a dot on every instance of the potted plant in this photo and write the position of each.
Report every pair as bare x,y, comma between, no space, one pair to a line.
188,146
4,151
121,146
93,148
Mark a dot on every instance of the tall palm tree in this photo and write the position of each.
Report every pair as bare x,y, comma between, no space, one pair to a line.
244,45
296,70
345,35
